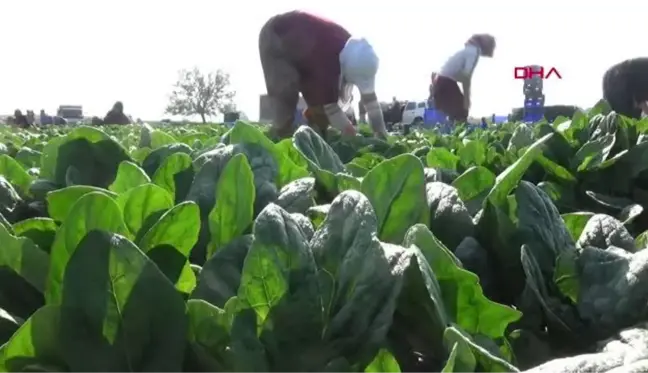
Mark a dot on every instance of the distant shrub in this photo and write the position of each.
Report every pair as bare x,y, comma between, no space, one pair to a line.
550,112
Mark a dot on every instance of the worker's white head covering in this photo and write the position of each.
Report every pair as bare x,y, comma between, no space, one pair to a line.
485,42
359,64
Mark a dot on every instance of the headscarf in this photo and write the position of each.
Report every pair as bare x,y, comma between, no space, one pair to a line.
485,42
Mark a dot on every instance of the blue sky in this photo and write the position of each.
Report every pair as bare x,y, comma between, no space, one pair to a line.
94,52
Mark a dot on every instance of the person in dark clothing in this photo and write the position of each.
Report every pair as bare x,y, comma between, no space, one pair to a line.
116,115
625,87
45,119
301,52
20,120
395,111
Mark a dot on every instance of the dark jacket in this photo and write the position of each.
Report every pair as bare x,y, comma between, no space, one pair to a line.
21,121
313,44
115,117
625,84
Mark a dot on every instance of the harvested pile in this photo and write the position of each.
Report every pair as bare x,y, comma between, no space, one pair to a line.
515,248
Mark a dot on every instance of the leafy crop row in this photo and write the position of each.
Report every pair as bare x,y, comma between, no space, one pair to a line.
192,249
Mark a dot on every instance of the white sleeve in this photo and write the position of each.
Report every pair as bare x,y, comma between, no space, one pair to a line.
471,56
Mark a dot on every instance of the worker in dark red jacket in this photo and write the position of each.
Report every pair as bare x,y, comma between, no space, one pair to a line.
301,52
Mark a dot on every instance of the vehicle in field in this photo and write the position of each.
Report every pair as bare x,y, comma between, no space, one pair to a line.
72,114
414,112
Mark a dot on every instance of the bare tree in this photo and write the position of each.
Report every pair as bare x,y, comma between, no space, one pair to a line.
196,93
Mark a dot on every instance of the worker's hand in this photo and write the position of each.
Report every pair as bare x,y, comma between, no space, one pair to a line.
349,131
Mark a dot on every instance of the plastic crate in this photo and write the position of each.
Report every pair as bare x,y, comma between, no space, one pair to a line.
299,118
533,110
432,117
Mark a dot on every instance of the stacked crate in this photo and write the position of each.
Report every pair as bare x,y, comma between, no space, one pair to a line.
534,98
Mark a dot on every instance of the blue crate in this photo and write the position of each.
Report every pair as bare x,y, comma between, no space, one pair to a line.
433,117
299,119
533,110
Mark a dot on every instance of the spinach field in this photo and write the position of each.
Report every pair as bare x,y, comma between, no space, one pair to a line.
196,248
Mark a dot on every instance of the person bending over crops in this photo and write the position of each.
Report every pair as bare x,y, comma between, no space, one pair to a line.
116,115
301,52
625,87
444,90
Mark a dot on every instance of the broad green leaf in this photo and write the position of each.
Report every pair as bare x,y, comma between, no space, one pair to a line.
234,209
473,153
220,276
576,222
482,357
85,156
442,158
396,189
509,178
28,157
176,231
59,202
161,138
36,345
15,174
263,283
279,257
473,182
92,211
51,150
175,174
22,256
383,362
555,169
139,155
288,169
209,328
122,313
129,175
461,359
566,275
40,230
321,159
641,241
463,297
141,203
348,182
286,147
593,153
317,214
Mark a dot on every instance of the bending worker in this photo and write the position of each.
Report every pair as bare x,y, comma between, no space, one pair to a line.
301,52
459,68
625,87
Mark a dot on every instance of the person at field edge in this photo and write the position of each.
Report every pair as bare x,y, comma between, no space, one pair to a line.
20,119
459,68
116,115
301,52
625,87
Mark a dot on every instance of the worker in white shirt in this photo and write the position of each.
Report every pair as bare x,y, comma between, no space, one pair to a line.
459,69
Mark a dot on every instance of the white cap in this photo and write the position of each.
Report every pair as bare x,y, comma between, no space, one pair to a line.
359,64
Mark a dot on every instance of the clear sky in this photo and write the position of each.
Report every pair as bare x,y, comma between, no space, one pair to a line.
93,52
